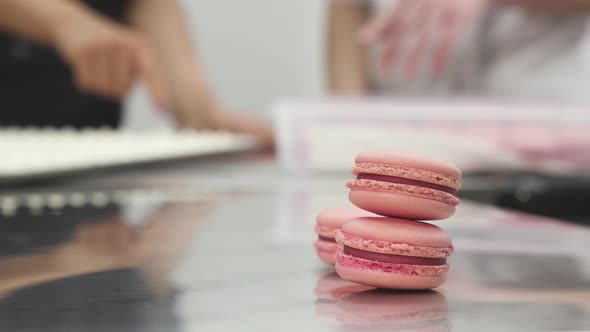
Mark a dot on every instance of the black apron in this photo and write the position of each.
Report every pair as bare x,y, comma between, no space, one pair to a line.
37,86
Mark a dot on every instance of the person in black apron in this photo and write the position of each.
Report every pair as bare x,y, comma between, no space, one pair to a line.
70,63
38,89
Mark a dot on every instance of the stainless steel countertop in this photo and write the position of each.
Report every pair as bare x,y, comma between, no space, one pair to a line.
226,245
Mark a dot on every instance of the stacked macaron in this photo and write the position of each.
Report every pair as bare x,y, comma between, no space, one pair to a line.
394,249
328,223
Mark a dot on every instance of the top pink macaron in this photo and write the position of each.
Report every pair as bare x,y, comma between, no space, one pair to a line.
404,185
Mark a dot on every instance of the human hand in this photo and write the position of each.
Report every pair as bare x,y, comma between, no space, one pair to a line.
414,31
196,107
106,59
241,123
222,119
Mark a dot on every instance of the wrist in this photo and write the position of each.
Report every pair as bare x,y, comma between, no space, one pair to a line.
192,78
64,22
59,32
63,32
188,72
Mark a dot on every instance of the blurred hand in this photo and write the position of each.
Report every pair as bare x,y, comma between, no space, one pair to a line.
241,123
196,107
106,59
413,31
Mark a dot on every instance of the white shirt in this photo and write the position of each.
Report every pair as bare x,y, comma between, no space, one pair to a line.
508,52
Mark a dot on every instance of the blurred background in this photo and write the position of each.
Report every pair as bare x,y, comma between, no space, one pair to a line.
263,51
260,51
497,87
157,155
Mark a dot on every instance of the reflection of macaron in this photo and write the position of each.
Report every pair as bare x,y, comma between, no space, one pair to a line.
393,253
393,311
329,289
332,287
404,185
328,222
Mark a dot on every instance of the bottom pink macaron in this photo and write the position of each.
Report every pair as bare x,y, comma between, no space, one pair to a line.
328,223
393,253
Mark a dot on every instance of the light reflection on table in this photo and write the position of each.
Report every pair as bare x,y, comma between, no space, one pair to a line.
242,259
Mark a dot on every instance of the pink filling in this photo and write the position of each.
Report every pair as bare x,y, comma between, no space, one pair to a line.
394,259
325,238
411,182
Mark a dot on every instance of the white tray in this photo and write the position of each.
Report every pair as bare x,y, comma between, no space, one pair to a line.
477,135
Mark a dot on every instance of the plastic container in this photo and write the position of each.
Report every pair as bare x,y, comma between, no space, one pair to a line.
477,135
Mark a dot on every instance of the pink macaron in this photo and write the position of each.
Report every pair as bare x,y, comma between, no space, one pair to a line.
404,185
327,223
393,253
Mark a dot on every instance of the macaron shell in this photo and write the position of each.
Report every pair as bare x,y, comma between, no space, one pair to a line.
399,205
408,173
326,251
392,248
395,230
377,274
403,189
408,160
327,231
335,217
387,280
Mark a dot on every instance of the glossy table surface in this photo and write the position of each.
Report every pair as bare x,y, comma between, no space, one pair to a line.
226,245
